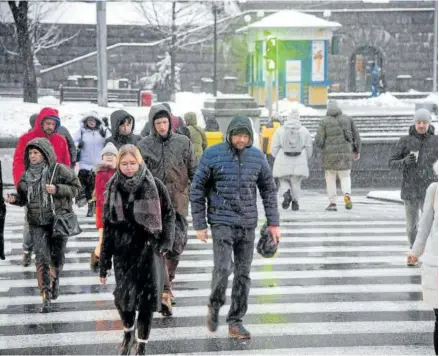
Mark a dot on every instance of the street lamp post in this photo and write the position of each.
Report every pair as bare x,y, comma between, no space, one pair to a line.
215,50
101,42
435,48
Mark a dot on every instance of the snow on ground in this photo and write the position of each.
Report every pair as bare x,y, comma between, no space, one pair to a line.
383,100
386,195
14,114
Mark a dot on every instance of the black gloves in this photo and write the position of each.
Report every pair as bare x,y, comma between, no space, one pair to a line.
409,160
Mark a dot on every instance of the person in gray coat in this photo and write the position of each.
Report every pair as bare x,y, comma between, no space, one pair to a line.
291,148
338,138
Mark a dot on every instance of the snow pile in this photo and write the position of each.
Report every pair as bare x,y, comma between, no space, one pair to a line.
285,106
383,100
14,114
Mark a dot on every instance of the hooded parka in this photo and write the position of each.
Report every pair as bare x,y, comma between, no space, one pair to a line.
65,180
330,137
198,137
171,159
118,140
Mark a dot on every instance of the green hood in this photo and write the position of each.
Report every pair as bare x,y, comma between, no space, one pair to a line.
190,118
45,147
239,122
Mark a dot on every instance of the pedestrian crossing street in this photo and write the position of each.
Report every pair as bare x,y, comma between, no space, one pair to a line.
338,285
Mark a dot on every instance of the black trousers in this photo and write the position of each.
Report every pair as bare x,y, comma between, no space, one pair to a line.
49,255
228,240
87,179
435,332
144,321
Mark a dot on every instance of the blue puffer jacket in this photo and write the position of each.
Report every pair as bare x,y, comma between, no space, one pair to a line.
228,179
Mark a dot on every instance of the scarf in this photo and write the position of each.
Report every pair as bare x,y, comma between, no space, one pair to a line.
146,206
36,178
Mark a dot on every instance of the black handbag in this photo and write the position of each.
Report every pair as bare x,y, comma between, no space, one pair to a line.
65,224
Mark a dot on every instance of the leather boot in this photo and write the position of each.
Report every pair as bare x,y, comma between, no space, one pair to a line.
141,348
46,306
91,209
127,342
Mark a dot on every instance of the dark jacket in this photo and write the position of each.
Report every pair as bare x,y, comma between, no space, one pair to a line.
62,131
170,159
331,139
67,185
138,266
228,179
116,119
416,178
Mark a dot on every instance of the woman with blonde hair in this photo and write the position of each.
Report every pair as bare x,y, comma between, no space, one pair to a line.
138,232
426,246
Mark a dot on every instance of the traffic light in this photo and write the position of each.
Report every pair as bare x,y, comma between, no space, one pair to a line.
271,54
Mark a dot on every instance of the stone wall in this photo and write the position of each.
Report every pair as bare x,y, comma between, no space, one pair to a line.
404,37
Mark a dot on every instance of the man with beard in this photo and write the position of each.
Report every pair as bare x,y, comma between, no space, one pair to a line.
46,125
170,157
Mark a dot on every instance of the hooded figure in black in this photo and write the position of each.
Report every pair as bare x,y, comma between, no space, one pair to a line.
122,128
45,188
170,157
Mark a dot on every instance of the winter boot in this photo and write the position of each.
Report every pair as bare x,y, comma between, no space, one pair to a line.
212,319
27,259
295,205
331,207
127,342
287,200
55,288
91,209
141,347
347,201
238,332
46,307
166,304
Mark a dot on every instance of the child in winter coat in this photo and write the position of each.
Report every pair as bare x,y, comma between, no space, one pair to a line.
104,171
138,233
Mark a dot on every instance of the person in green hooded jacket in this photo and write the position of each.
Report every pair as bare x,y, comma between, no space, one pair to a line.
198,137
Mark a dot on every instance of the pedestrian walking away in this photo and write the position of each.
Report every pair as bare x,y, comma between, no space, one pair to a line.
138,232
426,246
338,138
227,178
45,124
197,135
45,181
291,148
170,157
414,155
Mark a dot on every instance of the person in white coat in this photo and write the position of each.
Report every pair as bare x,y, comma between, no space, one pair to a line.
426,246
291,148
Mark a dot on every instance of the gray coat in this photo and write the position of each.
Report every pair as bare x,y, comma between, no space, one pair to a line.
330,138
284,165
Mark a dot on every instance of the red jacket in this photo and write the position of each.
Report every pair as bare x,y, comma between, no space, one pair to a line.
58,142
103,176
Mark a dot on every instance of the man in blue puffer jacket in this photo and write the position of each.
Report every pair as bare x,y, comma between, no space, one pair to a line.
227,176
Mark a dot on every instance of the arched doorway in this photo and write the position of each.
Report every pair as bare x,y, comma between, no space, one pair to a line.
360,67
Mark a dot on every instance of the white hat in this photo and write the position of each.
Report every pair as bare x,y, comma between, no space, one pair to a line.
109,148
293,115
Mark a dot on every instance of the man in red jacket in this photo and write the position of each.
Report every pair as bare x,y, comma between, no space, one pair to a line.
46,125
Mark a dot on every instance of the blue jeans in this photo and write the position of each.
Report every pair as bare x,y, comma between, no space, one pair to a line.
374,90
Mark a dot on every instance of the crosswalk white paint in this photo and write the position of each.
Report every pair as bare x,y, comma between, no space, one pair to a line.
373,248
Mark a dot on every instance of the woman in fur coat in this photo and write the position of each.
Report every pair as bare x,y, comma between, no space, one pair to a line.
138,232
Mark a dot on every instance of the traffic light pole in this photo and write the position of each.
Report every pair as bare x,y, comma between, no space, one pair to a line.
268,96
277,78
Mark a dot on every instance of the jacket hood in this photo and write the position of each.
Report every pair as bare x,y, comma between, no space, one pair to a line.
333,109
32,119
94,115
116,119
45,113
239,122
190,118
45,147
413,132
156,109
